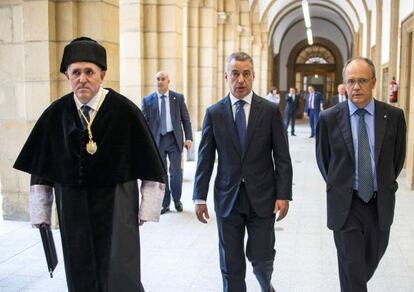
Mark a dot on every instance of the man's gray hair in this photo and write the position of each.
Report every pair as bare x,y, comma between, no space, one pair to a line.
239,56
366,60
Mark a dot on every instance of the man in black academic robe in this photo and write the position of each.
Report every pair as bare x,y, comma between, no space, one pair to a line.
91,146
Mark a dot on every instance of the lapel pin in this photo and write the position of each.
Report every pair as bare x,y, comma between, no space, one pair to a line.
385,116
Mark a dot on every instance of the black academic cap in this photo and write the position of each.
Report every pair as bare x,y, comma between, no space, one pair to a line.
83,49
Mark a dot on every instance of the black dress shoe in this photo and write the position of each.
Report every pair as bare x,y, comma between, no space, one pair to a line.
165,210
311,136
178,206
293,134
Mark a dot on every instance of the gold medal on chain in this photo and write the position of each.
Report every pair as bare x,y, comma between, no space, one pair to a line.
91,146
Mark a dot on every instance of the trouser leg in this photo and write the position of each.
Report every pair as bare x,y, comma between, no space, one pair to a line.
360,245
176,174
293,124
260,248
311,121
231,249
163,149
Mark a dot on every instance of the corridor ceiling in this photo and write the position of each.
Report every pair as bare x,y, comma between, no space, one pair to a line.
336,21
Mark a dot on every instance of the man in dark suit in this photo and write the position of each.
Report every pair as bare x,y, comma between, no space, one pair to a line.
254,176
360,150
167,114
291,109
341,96
313,106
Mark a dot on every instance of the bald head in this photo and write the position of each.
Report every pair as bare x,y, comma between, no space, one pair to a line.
163,81
341,89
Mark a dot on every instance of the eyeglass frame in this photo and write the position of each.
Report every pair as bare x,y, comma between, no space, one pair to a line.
362,82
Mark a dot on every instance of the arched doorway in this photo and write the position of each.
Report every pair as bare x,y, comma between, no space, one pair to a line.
316,65
320,65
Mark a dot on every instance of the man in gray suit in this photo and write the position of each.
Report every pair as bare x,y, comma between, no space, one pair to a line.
167,114
254,176
360,150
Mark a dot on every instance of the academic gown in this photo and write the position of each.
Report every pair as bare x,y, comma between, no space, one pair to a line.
96,195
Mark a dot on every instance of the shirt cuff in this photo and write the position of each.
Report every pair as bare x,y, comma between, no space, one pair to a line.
40,204
152,194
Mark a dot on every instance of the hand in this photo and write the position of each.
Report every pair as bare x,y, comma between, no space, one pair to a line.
187,144
281,206
201,211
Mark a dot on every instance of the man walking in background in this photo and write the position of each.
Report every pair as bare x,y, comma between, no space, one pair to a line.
167,116
313,106
341,96
291,109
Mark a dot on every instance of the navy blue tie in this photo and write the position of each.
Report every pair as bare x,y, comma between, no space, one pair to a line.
163,116
240,119
85,110
365,179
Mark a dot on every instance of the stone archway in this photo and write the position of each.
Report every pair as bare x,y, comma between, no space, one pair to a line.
290,70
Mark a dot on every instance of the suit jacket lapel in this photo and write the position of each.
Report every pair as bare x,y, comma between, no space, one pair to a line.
380,118
255,113
173,107
229,120
154,107
345,127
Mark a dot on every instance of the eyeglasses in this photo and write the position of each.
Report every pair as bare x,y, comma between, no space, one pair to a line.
361,82
234,75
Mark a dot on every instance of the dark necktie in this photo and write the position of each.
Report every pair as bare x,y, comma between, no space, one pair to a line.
85,110
240,119
365,179
163,116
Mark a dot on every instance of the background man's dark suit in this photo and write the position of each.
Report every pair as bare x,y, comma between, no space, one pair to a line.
291,109
335,100
247,183
313,113
336,161
180,119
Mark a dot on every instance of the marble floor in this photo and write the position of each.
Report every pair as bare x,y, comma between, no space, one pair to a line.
179,254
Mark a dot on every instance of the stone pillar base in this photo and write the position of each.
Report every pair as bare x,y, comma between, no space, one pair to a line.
15,206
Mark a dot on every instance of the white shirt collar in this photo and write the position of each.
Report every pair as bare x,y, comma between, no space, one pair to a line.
247,98
93,103
166,94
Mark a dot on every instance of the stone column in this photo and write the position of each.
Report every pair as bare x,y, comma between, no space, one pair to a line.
163,51
30,66
13,127
192,59
378,49
222,18
406,92
208,58
394,34
132,49
66,30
